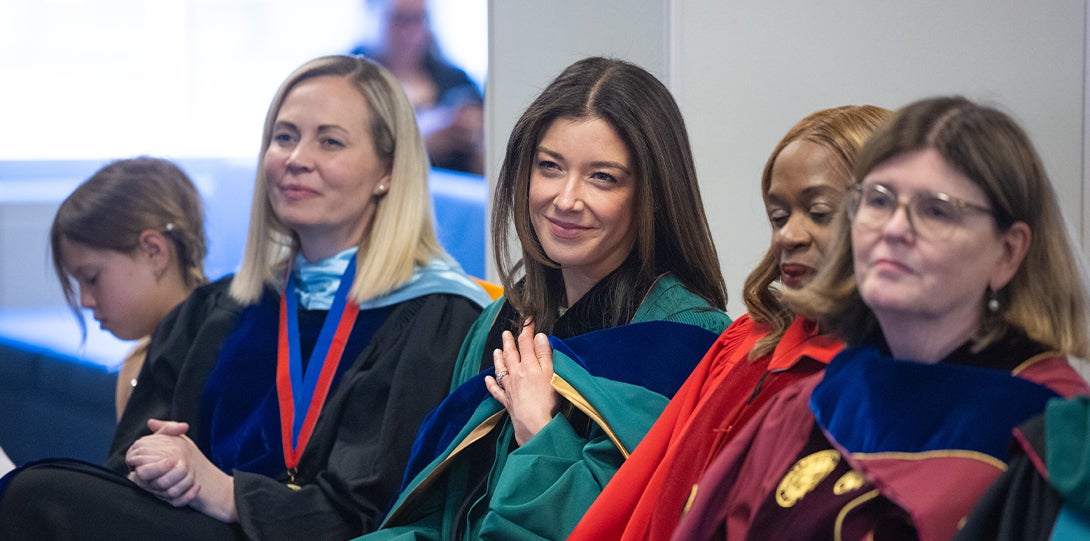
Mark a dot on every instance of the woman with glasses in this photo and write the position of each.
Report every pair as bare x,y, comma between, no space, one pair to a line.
956,287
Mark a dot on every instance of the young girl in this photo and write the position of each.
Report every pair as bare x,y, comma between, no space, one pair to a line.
129,244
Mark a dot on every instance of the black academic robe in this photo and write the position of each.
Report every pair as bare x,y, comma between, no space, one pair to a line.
354,461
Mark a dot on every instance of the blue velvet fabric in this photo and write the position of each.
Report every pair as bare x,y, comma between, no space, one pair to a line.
239,406
871,403
644,354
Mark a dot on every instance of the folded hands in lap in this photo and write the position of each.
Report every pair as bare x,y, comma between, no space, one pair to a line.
169,465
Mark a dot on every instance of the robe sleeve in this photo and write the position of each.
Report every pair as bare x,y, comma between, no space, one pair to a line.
545,486
548,483
366,432
619,505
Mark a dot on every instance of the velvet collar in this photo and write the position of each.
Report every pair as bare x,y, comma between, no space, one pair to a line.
869,402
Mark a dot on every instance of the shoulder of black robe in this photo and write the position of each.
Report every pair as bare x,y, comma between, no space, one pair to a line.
182,351
1020,505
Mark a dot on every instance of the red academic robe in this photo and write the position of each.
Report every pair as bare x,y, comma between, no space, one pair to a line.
646,497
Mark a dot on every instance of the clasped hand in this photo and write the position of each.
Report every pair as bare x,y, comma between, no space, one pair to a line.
525,388
169,465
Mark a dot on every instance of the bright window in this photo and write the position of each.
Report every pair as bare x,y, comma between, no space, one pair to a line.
103,79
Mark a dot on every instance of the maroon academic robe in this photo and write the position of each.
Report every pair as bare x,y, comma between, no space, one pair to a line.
875,446
646,497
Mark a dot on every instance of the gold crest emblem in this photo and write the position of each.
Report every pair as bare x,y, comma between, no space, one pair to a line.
848,482
806,474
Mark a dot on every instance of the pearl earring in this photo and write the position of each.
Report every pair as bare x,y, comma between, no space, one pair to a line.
993,300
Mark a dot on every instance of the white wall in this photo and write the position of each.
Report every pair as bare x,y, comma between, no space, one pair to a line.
744,71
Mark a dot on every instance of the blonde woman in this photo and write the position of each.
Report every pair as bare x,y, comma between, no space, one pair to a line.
282,403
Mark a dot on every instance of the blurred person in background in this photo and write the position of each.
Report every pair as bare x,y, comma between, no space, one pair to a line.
448,104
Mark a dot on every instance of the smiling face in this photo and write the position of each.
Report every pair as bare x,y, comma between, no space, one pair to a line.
120,289
322,172
907,277
582,200
803,196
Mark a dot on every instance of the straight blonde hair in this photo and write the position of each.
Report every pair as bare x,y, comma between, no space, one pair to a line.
400,237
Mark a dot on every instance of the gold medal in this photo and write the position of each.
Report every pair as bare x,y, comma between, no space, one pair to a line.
291,480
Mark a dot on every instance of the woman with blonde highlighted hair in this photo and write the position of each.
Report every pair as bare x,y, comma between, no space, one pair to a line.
401,229
281,403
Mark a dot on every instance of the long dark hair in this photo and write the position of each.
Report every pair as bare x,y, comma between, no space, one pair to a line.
672,231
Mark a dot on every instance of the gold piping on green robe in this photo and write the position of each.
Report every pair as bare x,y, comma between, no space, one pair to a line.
576,399
562,387
488,425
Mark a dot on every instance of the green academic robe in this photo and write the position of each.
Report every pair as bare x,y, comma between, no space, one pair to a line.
541,489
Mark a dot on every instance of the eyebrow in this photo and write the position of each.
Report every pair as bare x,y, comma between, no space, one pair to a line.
284,124
321,127
821,190
595,164
918,193
809,192
83,269
328,127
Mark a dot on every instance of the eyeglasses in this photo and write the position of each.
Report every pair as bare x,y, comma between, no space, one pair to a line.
931,214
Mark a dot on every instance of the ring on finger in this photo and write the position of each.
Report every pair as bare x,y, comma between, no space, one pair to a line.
499,378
